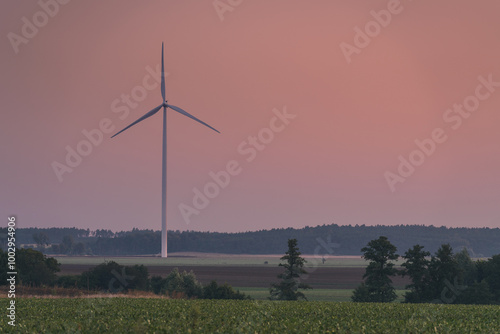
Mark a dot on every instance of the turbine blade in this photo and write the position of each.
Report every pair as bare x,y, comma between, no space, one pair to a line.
185,113
162,75
148,114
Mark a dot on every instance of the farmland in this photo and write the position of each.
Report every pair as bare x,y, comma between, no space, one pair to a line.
158,315
212,259
328,310
241,271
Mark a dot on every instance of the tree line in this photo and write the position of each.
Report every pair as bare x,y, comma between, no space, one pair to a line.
480,242
444,277
36,269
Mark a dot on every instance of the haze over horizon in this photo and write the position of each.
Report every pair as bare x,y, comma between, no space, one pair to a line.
324,118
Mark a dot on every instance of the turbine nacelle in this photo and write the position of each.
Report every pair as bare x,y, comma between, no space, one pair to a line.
165,105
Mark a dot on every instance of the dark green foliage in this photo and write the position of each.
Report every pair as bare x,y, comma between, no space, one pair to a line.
361,294
416,267
287,288
440,279
41,239
450,278
140,274
185,284
113,277
490,271
3,264
128,243
78,249
378,284
155,315
177,282
476,293
68,281
444,271
33,268
466,266
225,291
68,246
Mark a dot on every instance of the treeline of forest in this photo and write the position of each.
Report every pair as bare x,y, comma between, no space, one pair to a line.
319,240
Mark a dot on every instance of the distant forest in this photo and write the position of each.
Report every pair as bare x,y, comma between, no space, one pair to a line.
320,240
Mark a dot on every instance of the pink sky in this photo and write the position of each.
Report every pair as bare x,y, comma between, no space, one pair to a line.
327,165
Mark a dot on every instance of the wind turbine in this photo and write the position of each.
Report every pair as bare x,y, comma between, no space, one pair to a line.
150,113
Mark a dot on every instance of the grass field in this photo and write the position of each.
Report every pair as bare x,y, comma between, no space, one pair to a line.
201,259
124,315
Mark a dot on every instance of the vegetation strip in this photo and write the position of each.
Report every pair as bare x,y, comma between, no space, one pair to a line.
125,315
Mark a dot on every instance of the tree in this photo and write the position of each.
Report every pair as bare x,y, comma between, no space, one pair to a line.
104,233
176,283
184,284
287,289
444,272
79,248
490,272
448,277
416,267
34,268
378,285
361,294
3,264
41,239
225,291
66,246
477,293
467,267
113,277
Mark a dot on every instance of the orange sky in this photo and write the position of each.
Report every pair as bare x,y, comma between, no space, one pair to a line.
329,164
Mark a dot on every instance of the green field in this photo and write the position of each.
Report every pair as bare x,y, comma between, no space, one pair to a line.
123,315
325,295
210,260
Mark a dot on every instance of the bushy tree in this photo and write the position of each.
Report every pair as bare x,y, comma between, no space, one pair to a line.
443,271
113,277
378,284
446,278
225,291
416,267
490,272
361,294
466,267
476,293
34,268
185,284
177,282
288,288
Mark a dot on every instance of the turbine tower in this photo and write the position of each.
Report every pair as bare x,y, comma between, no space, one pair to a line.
164,105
